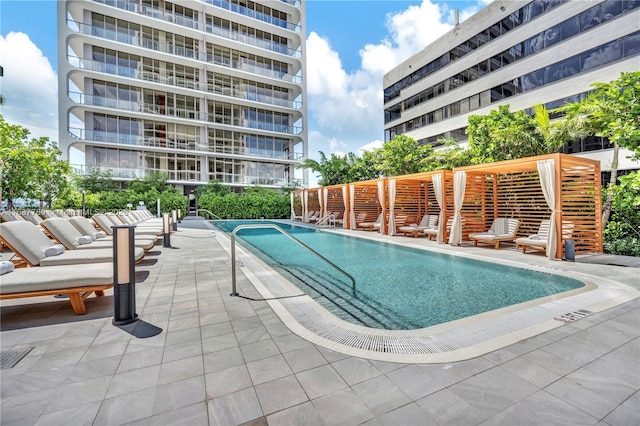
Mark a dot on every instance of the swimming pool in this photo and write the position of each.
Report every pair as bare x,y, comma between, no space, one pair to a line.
397,288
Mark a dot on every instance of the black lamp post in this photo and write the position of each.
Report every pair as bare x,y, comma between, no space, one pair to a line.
124,275
166,230
84,213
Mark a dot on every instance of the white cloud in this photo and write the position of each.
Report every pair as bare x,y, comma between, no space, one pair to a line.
347,107
29,86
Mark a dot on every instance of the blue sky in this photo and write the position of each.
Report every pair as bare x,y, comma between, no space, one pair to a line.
350,44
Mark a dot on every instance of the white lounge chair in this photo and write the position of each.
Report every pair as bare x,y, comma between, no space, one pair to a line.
86,227
106,221
539,240
28,242
77,283
501,230
429,221
371,226
69,236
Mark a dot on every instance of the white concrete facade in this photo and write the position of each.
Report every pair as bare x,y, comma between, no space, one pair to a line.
518,53
200,90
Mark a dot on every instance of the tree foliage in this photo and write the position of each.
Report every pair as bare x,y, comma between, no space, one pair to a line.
622,232
402,155
155,180
214,187
95,180
614,110
504,135
30,168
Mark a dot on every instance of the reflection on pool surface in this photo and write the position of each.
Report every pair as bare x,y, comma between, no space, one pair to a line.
397,288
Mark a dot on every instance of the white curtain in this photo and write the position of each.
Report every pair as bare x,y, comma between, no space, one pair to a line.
305,207
459,187
352,211
546,170
382,204
325,197
321,202
293,211
345,215
392,202
437,189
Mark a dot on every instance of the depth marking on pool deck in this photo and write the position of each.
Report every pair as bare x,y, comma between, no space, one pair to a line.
453,341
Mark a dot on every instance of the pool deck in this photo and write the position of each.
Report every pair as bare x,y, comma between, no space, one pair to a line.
200,357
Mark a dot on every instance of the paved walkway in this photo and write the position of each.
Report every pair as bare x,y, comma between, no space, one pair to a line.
200,357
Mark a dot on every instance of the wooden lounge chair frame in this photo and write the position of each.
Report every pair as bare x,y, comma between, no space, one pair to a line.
527,243
77,295
485,238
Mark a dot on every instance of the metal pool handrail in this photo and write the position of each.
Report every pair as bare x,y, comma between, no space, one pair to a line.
282,231
209,212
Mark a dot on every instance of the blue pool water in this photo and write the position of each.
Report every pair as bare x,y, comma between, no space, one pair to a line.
397,288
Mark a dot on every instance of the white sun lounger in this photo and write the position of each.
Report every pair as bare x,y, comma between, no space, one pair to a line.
77,283
28,242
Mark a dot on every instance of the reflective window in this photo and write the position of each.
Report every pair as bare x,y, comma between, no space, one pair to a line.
552,36
610,9
590,18
632,44
570,67
534,44
553,73
570,27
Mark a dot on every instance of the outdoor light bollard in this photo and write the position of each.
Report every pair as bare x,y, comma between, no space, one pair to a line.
174,216
124,275
179,215
166,230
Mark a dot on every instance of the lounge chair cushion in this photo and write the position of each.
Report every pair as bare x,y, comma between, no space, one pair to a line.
54,278
55,250
99,235
85,239
6,267
30,244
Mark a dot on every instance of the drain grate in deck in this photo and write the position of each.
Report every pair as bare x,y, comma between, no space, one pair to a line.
9,358
572,316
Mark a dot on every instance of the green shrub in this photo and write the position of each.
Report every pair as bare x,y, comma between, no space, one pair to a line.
622,233
628,246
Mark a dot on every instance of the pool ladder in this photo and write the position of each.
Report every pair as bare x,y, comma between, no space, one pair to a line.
282,231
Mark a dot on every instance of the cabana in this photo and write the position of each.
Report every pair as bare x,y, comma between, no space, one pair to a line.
420,194
297,206
367,201
557,187
311,203
336,202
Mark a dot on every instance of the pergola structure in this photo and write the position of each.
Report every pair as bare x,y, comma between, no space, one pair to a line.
419,194
561,188
557,187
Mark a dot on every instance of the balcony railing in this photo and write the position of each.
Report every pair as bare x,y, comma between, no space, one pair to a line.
248,66
190,22
172,141
185,175
242,10
133,38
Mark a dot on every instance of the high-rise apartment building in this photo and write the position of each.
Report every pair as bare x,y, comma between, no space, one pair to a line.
196,89
519,53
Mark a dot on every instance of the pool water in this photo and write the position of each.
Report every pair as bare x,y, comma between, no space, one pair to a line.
397,288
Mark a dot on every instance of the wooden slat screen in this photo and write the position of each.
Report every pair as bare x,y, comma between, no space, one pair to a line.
366,201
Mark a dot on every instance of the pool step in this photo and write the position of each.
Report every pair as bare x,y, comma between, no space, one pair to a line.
324,287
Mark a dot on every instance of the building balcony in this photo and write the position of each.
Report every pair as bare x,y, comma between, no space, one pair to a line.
191,22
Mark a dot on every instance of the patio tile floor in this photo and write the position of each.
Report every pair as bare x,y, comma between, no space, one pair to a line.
223,360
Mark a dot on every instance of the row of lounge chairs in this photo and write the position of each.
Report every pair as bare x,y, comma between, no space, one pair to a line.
47,256
501,230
